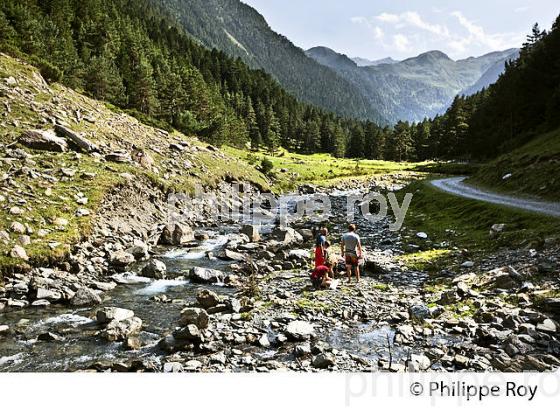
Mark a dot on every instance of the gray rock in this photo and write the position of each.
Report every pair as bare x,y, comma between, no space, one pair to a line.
264,341
76,139
139,250
189,333
85,297
48,294
18,252
449,297
17,227
43,140
287,236
207,299
118,156
547,326
419,312
4,329
324,361
302,350
206,275
418,363
121,329
50,337
121,259
173,367
300,330
194,316
108,314
229,255
155,269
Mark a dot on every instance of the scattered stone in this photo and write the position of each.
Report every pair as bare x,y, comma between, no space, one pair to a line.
77,140
155,269
120,329
300,330
17,227
324,361
43,140
121,259
419,312
207,299
194,316
50,337
109,314
547,326
18,252
85,297
179,235
206,275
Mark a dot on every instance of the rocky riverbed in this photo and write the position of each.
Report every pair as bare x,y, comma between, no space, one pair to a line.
211,297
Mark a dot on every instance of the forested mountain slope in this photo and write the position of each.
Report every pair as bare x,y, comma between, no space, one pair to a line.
240,31
135,57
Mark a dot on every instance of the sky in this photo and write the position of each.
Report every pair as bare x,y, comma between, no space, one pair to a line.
400,29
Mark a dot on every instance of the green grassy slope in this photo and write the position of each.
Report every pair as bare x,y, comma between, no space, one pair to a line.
455,221
534,169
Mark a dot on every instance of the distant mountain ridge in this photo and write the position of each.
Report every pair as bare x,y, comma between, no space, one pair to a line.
418,87
364,62
240,31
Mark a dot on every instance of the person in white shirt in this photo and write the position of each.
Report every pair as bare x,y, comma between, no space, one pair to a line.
351,248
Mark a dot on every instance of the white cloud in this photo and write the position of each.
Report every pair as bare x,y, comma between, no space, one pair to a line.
388,18
477,35
521,9
452,33
412,19
401,42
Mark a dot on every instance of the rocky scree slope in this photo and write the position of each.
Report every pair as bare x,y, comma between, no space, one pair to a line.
82,182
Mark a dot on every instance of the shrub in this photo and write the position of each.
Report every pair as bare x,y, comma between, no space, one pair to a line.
266,166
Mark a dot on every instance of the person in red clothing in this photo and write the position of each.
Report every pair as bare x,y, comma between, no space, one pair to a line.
320,242
320,277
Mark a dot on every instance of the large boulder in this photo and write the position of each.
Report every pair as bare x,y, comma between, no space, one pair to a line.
108,314
76,139
85,297
176,235
300,330
121,329
194,316
43,140
155,269
206,275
